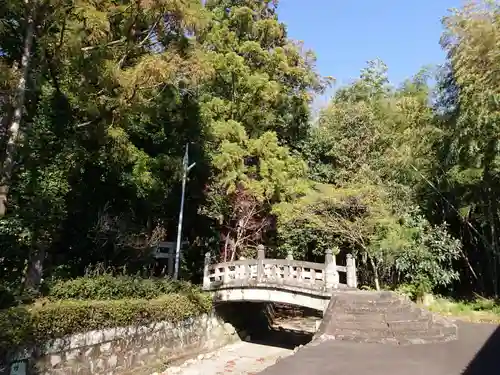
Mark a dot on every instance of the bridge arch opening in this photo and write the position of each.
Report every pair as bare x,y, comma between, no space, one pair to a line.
279,325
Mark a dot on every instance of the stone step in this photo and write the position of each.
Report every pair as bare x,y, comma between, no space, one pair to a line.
364,309
363,317
365,339
449,330
380,313
426,332
407,315
360,326
360,295
369,303
393,314
364,333
388,330
384,317
435,330
386,336
393,340
425,337
393,306
360,317
395,325
409,325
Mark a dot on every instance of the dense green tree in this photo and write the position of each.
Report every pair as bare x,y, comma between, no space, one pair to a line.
263,80
93,130
99,98
255,108
113,91
466,172
373,145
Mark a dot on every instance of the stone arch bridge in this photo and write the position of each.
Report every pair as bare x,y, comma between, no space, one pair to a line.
287,280
348,313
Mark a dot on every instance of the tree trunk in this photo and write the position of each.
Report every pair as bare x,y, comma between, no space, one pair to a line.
494,245
226,246
15,122
375,274
491,211
34,272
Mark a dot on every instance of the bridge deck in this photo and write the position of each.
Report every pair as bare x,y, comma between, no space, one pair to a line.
289,286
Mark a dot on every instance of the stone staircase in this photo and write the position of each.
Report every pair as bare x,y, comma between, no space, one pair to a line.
382,317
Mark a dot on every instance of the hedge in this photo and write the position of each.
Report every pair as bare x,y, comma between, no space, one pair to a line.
36,324
109,287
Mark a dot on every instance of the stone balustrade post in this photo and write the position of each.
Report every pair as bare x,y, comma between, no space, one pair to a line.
288,268
206,278
352,281
261,255
225,275
331,273
241,270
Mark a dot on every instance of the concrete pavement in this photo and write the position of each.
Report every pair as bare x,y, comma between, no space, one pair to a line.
242,358
476,352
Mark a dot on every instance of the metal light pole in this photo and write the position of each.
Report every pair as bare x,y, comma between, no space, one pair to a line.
185,169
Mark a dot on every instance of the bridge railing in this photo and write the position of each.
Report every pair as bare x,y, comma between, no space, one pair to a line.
245,272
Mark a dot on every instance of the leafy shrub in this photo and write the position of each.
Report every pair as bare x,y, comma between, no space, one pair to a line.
428,263
12,295
7,297
16,328
109,287
46,320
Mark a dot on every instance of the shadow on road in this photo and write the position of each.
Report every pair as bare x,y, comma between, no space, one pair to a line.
487,359
286,339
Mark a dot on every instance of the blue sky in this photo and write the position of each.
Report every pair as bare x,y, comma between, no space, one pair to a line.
347,33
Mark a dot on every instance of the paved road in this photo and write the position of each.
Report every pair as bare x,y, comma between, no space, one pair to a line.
476,352
242,358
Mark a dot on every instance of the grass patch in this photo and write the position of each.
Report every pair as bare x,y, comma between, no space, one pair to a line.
480,310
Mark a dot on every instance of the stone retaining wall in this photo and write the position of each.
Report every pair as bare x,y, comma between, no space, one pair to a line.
134,350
